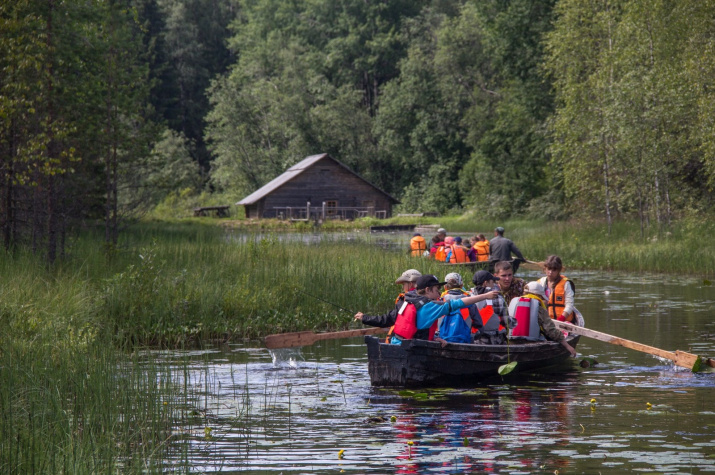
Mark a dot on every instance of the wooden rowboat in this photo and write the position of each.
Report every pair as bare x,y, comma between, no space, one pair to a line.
426,363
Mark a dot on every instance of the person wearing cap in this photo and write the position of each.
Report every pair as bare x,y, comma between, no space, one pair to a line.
532,319
509,285
407,280
457,326
501,249
417,317
442,233
559,291
418,245
493,313
443,252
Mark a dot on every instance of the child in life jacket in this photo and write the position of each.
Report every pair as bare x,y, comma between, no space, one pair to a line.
493,313
386,320
417,318
456,327
532,319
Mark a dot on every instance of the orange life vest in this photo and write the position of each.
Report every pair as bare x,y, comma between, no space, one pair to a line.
418,246
458,254
557,301
441,254
482,248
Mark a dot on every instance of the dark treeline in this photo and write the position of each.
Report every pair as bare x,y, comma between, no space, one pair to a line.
541,107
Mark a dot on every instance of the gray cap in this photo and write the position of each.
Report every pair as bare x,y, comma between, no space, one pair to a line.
499,229
441,231
410,275
535,288
453,278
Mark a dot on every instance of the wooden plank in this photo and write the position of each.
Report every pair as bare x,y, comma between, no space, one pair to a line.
680,358
306,338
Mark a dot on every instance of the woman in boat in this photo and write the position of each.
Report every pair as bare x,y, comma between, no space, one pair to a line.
417,318
559,291
532,319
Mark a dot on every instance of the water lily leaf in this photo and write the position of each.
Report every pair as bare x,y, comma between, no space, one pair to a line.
707,282
507,368
406,393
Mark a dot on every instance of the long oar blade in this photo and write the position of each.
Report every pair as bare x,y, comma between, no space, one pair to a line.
680,358
291,340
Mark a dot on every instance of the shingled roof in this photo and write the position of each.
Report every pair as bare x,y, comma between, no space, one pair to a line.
293,172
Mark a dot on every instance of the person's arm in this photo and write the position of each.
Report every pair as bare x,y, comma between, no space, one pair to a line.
516,251
548,328
385,320
568,300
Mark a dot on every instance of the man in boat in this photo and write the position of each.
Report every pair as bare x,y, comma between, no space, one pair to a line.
501,249
559,291
417,318
407,280
509,285
418,245
532,319
493,312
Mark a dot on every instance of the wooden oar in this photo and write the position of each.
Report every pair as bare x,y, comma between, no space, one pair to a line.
531,265
291,340
680,358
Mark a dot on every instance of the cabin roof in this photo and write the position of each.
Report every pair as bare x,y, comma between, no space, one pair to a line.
296,170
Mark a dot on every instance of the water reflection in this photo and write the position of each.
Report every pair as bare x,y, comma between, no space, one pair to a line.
294,410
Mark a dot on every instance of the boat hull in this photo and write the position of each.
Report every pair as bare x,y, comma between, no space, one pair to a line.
418,363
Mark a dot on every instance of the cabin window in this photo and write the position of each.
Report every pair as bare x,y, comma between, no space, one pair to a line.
331,207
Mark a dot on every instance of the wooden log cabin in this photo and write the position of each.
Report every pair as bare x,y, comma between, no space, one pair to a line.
318,187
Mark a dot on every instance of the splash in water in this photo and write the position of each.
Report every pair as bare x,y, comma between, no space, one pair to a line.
286,357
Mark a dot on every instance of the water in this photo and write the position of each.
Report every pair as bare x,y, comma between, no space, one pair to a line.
293,411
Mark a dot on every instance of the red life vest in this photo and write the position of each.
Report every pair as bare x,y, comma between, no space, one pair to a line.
406,324
526,313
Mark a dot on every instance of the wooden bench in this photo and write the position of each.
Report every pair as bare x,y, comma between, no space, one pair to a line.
221,211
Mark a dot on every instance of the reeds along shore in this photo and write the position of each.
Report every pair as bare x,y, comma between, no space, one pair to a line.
73,398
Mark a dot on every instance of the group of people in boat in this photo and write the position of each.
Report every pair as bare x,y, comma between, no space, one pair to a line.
453,250
499,308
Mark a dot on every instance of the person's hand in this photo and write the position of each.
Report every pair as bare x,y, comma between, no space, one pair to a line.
570,348
492,294
358,316
441,342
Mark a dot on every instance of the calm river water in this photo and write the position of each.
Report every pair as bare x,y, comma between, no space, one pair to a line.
296,410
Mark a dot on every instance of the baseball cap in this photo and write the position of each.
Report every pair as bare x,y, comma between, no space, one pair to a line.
426,281
482,276
441,230
499,229
535,288
410,275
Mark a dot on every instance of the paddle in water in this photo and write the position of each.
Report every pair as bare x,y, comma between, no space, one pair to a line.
686,360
